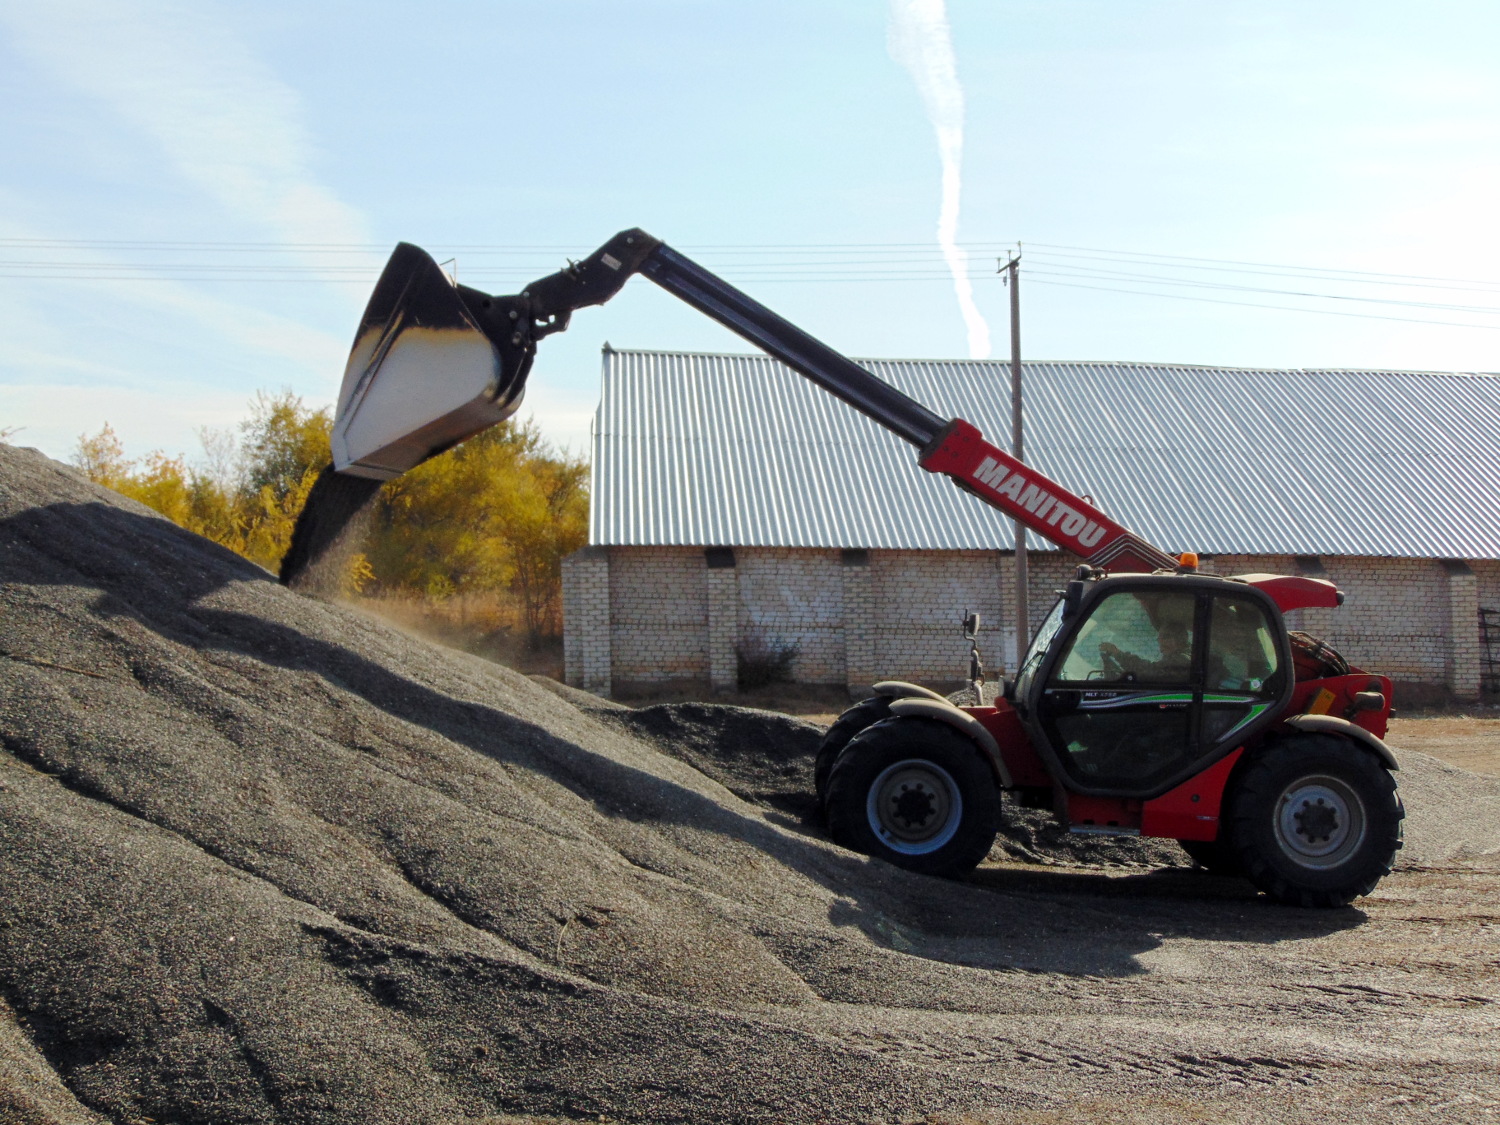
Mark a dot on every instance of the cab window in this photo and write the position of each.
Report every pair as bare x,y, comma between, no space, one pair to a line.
1037,651
1133,637
1242,653
1243,674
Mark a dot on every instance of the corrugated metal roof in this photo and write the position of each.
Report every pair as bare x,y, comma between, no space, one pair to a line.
693,449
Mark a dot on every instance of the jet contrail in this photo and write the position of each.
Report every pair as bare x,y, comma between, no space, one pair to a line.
918,38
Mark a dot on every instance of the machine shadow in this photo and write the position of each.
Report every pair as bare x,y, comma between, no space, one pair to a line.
1082,923
156,574
1190,902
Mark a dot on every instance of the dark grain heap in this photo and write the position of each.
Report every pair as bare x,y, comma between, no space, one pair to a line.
264,859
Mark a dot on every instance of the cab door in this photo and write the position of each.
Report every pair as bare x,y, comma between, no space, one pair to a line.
1120,703
1244,673
1158,678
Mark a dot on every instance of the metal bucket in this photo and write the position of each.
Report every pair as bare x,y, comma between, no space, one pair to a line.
433,363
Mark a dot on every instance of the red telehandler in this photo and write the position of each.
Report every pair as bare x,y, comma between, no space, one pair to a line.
1153,700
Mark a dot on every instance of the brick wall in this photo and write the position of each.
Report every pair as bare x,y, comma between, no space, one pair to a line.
791,597
1487,582
1487,596
856,617
586,619
1463,672
920,598
722,598
861,623
1395,618
1407,618
658,614
1047,572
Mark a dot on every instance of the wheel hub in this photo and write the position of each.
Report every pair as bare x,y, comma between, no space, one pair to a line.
1317,821
914,807
1320,821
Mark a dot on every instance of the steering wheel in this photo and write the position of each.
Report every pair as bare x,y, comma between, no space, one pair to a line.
1109,661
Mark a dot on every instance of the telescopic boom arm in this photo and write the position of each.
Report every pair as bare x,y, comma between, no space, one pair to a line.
954,448
408,299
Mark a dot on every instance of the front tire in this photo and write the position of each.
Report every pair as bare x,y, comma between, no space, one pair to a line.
915,793
1316,821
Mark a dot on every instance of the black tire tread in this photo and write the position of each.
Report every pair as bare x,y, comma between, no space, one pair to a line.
1216,857
1266,777
887,741
864,714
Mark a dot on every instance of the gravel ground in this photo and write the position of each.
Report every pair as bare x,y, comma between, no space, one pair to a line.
264,859
1471,742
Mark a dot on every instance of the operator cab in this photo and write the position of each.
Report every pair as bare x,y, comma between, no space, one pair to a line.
1135,683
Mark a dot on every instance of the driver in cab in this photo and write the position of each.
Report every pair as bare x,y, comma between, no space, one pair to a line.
1171,667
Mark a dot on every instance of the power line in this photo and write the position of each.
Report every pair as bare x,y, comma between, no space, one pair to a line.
771,275
1258,305
1223,262
1342,277
861,251
1184,283
807,263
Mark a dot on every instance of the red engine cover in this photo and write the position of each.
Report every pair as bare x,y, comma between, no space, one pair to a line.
1293,591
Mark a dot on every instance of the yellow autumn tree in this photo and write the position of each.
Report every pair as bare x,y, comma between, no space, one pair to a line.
167,484
284,445
250,508
495,515
102,458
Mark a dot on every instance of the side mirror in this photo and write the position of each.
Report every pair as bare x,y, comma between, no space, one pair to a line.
1072,599
971,626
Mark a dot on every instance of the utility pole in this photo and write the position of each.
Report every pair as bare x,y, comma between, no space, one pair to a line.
1012,271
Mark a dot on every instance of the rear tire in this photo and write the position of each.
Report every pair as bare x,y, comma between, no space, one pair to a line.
1315,820
845,727
915,793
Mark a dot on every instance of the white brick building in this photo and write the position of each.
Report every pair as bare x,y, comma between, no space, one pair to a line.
737,506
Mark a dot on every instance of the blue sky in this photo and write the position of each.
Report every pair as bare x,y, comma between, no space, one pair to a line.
195,198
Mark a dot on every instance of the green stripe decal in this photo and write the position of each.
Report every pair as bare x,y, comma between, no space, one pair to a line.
1256,711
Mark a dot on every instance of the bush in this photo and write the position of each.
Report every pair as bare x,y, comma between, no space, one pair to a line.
761,663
